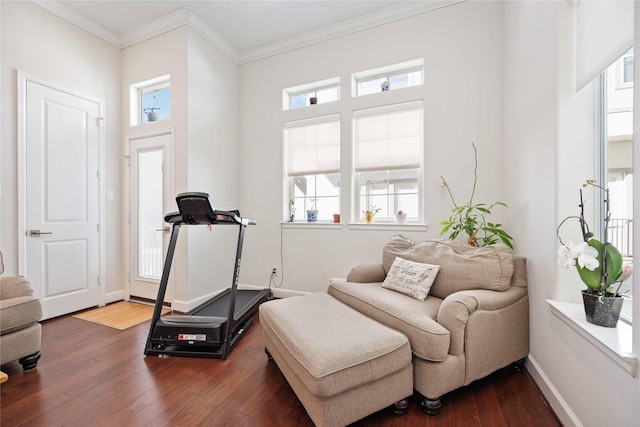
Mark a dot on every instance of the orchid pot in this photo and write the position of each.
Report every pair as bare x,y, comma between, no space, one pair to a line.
599,265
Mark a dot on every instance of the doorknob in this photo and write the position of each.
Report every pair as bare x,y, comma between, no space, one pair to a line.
165,229
36,233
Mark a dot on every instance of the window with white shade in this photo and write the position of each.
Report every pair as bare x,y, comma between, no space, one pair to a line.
312,151
387,161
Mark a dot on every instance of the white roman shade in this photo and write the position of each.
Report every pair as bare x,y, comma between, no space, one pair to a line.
604,32
313,146
388,137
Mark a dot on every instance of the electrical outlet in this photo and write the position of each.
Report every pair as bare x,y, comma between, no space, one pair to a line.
274,271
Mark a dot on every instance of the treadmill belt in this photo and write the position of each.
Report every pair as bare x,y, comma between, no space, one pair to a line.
220,306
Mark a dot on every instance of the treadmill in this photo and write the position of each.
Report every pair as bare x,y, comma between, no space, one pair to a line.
213,328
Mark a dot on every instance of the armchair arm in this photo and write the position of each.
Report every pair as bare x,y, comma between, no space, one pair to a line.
367,273
456,310
14,287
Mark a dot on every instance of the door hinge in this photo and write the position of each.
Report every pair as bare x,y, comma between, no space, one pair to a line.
99,283
98,174
98,227
99,120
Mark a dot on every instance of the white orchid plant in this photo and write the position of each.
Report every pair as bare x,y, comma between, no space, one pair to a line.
598,263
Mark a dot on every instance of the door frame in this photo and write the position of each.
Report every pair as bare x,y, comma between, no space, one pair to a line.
127,200
23,79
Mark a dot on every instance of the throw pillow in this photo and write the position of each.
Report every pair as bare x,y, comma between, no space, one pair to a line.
411,278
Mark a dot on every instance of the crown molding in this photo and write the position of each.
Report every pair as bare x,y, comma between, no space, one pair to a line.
370,20
78,20
182,17
201,27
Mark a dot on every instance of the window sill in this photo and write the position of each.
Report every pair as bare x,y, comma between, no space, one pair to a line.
387,226
354,226
614,342
307,225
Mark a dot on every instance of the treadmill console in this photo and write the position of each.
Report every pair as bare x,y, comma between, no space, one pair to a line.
195,208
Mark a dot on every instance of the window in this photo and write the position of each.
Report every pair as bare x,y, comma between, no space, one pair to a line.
312,149
155,104
616,154
627,67
311,94
392,77
388,160
150,101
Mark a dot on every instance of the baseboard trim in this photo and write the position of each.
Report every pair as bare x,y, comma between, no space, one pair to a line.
114,297
558,404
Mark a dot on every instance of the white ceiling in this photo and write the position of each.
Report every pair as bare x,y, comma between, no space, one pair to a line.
245,25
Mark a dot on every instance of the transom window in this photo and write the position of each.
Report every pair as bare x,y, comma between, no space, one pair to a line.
387,78
311,94
150,101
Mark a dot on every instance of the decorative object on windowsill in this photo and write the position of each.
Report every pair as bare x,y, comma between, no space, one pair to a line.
314,99
370,213
471,219
599,265
401,217
312,214
152,116
292,210
336,218
384,86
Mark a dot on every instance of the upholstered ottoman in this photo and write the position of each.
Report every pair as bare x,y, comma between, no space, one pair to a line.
341,364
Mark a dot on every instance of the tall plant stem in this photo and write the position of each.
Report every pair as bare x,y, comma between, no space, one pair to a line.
444,182
475,173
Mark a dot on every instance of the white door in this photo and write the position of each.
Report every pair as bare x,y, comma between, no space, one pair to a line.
61,214
151,199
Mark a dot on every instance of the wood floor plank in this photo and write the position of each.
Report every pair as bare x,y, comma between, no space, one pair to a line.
93,375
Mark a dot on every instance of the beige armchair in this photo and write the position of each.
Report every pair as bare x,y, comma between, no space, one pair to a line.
20,311
474,320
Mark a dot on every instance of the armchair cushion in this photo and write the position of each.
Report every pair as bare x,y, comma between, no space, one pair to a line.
462,267
415,319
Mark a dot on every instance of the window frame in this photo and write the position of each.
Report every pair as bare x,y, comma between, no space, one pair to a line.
289,183
357,78
602,170
356,215
136,91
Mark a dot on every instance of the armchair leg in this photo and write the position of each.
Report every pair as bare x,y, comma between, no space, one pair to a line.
518,365
430,406
29,362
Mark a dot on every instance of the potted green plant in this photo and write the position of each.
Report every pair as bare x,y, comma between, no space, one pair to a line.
370,213
599,265
471,218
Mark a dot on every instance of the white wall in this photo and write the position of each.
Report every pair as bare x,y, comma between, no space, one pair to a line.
155,57
462,50
204,86
212,164
548,150
38,43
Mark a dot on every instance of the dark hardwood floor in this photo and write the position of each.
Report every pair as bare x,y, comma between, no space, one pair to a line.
92,375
